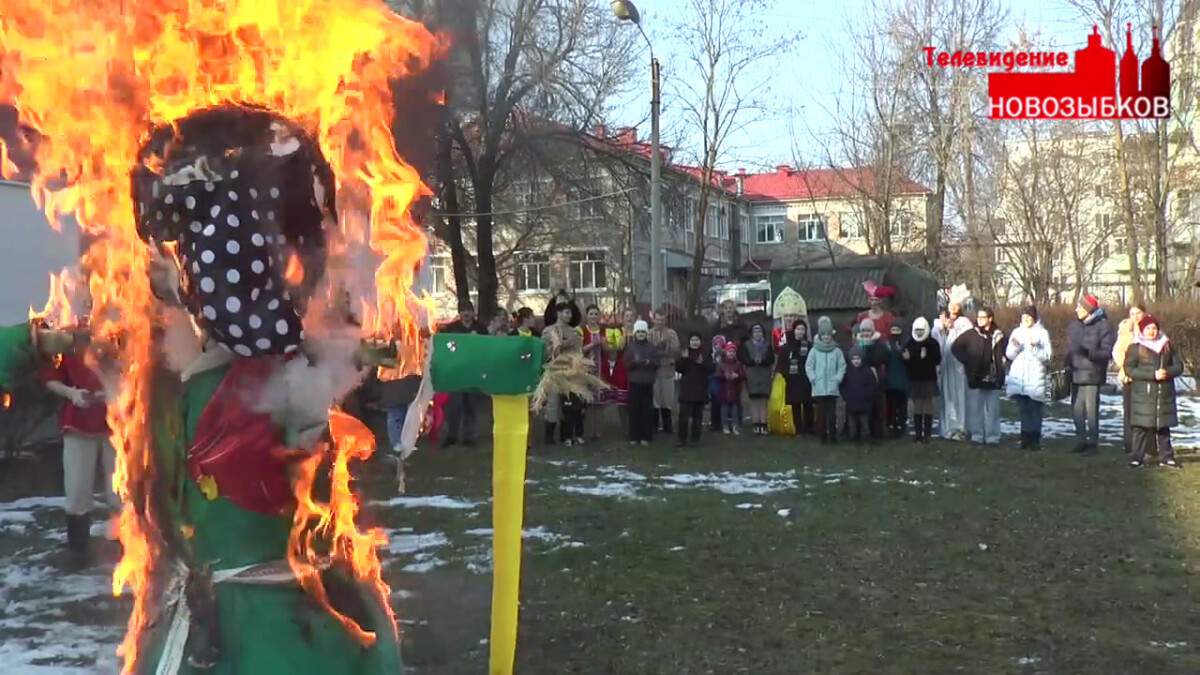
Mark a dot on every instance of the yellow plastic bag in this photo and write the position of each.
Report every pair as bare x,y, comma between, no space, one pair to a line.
775,404
787,422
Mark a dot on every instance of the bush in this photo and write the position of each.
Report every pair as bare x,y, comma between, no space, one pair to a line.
1180,320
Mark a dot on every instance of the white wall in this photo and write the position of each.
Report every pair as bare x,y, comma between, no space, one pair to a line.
29,251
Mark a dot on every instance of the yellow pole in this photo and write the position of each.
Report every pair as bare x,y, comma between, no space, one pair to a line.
510,430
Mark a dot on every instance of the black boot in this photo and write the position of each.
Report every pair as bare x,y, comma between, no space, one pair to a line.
1024,440
918,429
928,428
1035,441
79,531
666,420
549,430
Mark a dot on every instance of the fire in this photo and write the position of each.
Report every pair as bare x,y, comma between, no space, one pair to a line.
58,311
294,274
5,401
92,76
334,526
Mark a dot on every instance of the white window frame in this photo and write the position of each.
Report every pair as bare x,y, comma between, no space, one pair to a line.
1103,223
439,266
576,269
847,217
901,223
804,221
774,223
588,201
540,263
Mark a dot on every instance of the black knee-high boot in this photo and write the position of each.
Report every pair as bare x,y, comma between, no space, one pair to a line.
918,428
666,420
548,427
928,428
79,531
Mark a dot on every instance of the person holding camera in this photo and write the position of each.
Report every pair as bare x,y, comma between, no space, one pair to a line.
981,351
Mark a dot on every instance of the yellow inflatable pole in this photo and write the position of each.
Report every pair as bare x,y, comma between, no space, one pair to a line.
510,429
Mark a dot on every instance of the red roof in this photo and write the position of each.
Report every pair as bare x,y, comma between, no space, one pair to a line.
787,184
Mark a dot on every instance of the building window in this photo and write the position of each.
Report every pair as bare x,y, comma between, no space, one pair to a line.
1100,190
769,229
852,225
811,227
533,272
439,273
587,271
1103,222
723,224
1184,200
901,224
589,203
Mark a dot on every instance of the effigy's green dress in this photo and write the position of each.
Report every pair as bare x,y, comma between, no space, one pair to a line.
262,628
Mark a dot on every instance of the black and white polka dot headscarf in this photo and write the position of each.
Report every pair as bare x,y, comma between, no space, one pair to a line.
242,191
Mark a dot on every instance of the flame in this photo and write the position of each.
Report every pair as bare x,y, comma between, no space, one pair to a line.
92,76
294,274
334,526
58,312
5,401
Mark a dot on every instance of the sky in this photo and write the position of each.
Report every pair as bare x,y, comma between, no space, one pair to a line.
808,77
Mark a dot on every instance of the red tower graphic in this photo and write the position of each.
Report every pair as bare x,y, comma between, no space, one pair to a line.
1094,79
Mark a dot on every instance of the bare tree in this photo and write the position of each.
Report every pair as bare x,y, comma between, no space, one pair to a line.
518,70
724,45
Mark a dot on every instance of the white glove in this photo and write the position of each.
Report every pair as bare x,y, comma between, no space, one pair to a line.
79,398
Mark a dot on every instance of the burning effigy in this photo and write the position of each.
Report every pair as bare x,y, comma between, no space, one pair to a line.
224,158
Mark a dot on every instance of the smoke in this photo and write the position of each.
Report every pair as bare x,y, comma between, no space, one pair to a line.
300,394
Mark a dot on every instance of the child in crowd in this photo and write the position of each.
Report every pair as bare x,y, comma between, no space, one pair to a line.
732,373
1152,363
526,323
921,356
695,366
869,341
641,363
793,354
759,359
825,367
859,389
895,383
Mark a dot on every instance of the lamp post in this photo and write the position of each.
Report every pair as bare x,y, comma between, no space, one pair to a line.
625,10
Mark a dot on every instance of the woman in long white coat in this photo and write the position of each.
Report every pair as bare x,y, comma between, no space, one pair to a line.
1028,380
953,376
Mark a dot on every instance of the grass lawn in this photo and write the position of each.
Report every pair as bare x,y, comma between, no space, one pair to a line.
748,555
767,555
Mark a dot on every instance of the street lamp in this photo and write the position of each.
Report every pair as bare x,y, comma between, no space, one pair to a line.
625,10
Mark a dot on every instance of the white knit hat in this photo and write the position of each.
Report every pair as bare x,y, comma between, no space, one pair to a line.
640,326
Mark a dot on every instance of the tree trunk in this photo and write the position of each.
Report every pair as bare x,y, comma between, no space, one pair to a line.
452,210
692,304
1162,278
485,254
1135,268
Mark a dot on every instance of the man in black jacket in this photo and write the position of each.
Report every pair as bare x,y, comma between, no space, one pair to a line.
1090,342
981,351
462,409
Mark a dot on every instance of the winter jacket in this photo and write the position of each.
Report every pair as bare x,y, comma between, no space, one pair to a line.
922,369
874,354
457,326
667,342
732,332
790,363
730,375
1029,375
895,375
825,369
1152,403
694,371
641,361
982,356
1089,347
1126,333
759,361
860,388
399,392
